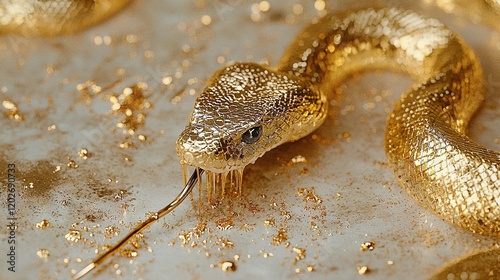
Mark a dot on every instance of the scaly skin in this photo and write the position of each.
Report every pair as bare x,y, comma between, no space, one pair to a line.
425,141
54,17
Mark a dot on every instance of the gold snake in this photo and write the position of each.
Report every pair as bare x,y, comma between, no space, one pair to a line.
248,109
54,17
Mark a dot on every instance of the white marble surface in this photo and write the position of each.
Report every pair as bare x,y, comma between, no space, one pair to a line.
361,200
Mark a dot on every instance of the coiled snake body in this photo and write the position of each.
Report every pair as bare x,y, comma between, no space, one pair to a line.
248,109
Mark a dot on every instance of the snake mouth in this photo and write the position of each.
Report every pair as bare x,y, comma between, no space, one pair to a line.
215,186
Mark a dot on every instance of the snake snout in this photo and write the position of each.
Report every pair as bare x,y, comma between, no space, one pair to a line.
204,147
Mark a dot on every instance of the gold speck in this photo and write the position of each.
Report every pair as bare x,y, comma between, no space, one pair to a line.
51,127
264,6
142,137
206,20
43,224
224,224
310,267
73,235
301,254
166,80
367,246
236,257
363,269
43,253
269,222
110,231
12,110
228,266
298,159
129,253
319,5
72,164
84,153
280,237
309,195
390,262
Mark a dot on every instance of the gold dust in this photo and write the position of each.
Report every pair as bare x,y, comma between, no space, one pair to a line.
367,246
126,145
110,231
300,254
280,237
12,110
142,137
43,224
267,255
43,253
131,104
228,266
224,224
129,253
309,195
66,260
311,267
73,235
51,127
236,257
72,164
390,262
269,222
84,153
363,269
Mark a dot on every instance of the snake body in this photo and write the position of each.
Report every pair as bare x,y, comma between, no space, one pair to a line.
248,109
54,17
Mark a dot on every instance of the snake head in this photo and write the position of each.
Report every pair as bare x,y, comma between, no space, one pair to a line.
246,110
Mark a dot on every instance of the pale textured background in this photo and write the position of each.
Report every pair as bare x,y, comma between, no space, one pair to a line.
41,76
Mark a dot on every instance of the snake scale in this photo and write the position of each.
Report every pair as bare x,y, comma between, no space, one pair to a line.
248,109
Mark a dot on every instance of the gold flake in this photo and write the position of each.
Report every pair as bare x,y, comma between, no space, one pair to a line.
228,266
367,246
84,153
12,110
298,159
73,235
43,253
43,224
72,164
363,269
129,253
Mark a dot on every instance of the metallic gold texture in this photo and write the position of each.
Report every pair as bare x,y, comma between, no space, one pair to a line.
425,142
54,17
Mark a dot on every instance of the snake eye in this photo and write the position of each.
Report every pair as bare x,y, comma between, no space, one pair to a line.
252,135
